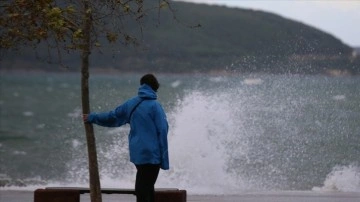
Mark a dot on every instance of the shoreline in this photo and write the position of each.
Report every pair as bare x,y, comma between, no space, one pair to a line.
112,71
257,196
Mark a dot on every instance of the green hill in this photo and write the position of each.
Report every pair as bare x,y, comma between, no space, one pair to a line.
229,39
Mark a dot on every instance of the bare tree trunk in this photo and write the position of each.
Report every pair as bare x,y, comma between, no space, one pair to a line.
95,189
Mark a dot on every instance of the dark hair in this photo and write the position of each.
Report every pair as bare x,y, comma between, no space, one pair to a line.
150,80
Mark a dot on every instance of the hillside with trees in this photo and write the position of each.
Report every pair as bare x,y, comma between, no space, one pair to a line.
188,38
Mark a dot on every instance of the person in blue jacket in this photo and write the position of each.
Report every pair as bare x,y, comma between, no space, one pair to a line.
148,143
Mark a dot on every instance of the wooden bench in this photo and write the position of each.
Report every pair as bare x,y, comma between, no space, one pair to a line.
72,194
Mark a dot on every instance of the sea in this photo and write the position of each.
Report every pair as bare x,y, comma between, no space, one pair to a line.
229,134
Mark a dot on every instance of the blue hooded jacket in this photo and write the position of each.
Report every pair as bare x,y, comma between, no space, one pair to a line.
148,127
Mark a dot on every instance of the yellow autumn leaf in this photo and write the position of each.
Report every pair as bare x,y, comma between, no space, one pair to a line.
77,34
163,4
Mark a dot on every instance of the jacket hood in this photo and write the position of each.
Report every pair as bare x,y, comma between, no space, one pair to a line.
145,91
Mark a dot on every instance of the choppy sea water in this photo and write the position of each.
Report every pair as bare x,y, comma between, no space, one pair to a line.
228,134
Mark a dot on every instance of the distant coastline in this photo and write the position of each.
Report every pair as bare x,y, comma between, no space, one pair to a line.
229,40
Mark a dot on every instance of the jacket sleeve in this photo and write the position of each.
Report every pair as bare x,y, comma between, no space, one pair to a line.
114,118
162,131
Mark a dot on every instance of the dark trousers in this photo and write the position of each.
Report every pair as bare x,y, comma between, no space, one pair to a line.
146,177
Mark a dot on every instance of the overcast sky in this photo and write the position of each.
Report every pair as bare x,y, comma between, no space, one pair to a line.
341,18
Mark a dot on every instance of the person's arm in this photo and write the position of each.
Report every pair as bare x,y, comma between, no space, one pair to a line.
113,118
162,130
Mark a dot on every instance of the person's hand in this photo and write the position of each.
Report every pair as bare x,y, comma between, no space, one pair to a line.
85,117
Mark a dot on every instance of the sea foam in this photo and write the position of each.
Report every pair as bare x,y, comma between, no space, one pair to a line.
343,179
200,130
